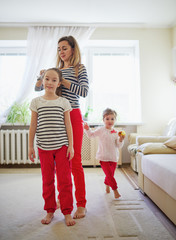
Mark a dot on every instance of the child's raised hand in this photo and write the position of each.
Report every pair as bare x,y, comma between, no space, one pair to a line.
86,126
121,135
31,154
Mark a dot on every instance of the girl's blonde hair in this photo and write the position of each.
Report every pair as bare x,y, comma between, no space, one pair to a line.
109,111
59,89
75,59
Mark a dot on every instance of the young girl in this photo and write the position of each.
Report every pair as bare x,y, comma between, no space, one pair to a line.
109,143
75,84
50,121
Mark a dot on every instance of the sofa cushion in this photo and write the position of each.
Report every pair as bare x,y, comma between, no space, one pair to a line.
161,169
171,142
155,148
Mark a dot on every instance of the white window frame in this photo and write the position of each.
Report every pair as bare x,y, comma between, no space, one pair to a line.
123,46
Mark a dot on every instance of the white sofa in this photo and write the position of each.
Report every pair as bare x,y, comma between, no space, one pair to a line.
157,172
169,131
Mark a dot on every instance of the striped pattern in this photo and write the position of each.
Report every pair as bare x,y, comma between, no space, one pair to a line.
79,85
51,131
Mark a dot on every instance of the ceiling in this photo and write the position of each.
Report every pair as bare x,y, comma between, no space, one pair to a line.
125,13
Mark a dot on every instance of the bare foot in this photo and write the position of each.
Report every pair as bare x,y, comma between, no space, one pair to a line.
116,194
69,220
58,204
47,219
80,213
107,189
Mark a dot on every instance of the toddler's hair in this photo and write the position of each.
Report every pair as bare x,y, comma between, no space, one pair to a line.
109,111
59,89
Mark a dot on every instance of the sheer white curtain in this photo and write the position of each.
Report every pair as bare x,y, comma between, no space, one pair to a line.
42,50
41,54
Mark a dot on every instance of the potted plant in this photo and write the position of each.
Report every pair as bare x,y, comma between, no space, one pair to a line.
89,109
19,114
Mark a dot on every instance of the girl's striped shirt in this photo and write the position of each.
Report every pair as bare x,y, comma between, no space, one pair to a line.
51,131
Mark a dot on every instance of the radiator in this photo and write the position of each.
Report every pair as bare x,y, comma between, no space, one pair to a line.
14,147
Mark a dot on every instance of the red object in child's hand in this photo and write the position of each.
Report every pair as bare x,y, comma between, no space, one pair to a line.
113,131
122,133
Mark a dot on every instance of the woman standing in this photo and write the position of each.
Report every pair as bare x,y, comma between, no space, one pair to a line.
74,85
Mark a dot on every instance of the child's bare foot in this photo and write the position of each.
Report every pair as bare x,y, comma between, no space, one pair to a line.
69,220
116,194
80,213
48,218
107,189
58,204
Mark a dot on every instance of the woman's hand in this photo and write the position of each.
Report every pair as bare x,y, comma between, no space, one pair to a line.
42,72
66,83
40,78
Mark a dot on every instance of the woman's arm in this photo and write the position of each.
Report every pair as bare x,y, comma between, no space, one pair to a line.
32,131
81,87
39,83
70,150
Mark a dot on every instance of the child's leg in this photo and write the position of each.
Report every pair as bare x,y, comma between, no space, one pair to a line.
109,170
48,173
113,168
64,180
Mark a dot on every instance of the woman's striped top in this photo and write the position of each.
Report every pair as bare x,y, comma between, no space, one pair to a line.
51,131
79,85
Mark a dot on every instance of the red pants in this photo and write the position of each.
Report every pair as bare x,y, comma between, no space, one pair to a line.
77,169
109,170
51,161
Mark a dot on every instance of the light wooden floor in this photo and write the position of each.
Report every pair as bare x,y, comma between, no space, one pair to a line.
156,211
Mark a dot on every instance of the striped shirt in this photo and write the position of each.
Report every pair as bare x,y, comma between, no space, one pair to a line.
79,85
51,131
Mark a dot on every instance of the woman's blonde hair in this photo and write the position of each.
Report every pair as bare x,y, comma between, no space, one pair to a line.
75,59
59,89
109,111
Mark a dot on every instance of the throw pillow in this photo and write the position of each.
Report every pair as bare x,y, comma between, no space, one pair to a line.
155,148
171,142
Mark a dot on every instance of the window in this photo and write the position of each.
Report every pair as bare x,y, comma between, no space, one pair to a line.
113,69
12,65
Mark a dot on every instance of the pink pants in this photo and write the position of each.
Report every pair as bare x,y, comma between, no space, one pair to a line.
51,161
109,170
77,169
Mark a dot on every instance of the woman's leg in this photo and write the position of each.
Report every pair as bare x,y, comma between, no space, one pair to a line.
77,169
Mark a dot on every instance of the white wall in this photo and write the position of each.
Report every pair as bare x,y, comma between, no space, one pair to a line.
158,91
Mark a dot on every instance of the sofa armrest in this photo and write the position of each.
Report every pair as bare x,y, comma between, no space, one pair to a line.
151,139
132,138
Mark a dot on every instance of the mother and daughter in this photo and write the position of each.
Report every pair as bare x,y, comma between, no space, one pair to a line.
56,120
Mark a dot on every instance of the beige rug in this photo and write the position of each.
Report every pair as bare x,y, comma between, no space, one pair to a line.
21,209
